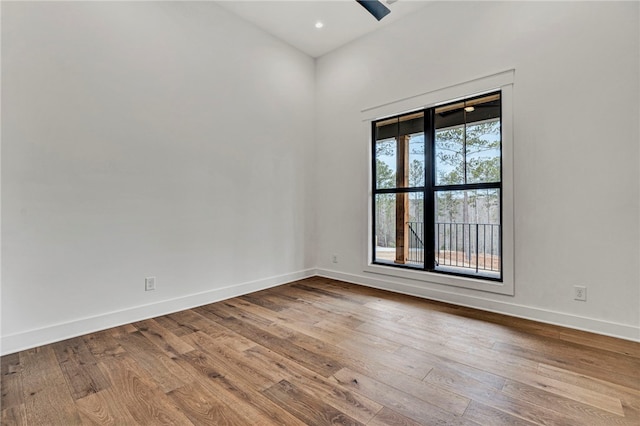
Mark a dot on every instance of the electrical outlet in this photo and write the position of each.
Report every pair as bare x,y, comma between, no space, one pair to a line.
580,293
149,283
334,258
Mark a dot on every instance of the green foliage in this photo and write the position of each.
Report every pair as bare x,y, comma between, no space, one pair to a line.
483,170
385,220
385,177
385,147
416,173
448,205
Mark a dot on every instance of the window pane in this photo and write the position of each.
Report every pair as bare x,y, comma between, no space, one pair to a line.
468,141
483,141
399,151
449,144
400,229
385,225
416,160
468,233
386,151
449,156
414,229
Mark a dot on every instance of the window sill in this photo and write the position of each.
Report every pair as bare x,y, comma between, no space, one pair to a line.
505,287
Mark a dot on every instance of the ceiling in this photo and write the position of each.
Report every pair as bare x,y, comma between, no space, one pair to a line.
294,21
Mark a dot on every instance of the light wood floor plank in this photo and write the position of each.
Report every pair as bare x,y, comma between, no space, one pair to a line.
79,367
204,407
171,344
310,410
142,397
166,374
15,415
586,396
255,406
406,404
583,363
233,363
103,345
489,416
490,397
105,408
387,417
328,390
315,361
583,413
630,397
11,381
47,396
140,394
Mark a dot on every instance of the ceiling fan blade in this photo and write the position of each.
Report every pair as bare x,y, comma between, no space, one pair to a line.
375,7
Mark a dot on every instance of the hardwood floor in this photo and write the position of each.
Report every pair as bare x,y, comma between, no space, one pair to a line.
320,351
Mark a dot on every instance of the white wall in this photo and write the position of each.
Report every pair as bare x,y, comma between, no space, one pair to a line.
576,142
140,139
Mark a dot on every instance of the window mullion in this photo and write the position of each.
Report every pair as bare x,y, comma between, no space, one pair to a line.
429,180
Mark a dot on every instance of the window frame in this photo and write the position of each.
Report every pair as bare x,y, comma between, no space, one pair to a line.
502,82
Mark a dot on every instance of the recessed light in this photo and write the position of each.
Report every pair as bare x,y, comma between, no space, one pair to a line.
469,109
319,24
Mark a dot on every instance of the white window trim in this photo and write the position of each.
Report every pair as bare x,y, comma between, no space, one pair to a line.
502,81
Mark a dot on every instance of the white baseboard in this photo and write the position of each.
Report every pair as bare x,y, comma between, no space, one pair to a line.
622,331
57,332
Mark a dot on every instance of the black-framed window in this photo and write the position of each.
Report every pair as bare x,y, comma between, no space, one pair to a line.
437,188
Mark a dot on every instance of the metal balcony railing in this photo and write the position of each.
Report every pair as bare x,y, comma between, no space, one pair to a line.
460,245
416,245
